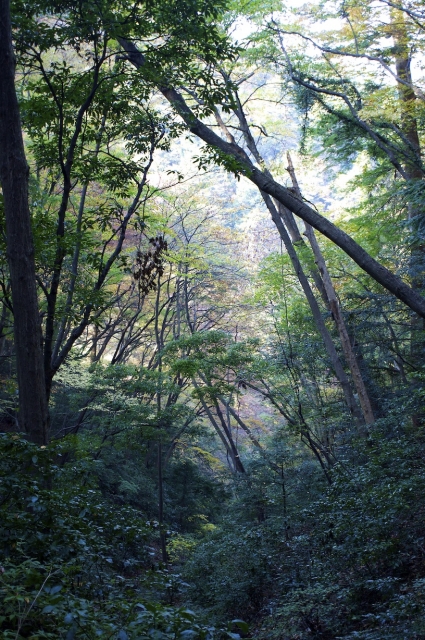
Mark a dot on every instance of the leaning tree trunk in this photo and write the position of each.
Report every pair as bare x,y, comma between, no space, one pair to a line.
290,235
377,271
335,309
14,172
315,310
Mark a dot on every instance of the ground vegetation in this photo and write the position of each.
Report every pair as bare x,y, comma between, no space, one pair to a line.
211,322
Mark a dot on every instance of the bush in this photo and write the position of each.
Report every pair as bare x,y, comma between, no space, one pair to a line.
73,565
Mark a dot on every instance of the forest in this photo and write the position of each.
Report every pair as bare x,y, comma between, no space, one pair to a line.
212,340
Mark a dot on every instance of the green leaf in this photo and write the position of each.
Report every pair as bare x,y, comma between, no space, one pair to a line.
55,589
48,609
243,626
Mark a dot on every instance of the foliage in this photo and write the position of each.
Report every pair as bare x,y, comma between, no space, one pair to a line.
358,526
74,564
202,453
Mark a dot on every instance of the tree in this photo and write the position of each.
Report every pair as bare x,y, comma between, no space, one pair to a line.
349,87
85,196
235,159
14,172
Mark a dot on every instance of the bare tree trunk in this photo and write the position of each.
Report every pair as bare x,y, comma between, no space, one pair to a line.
342,330
162,535
315,310
285,222
413,166
414,172
159,346
266,184
14,173
229,444
250,435
298,240
227,430
335,309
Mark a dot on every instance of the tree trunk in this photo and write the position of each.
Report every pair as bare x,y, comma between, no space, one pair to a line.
317,315
228,442
413,165
335,309
290,235
342,330
14,173
298,240
414,172
377,271
162,534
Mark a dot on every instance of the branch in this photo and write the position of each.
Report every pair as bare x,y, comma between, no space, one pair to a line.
377,271
339,52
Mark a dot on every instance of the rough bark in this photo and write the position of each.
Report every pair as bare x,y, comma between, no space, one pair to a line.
413,166
14,173
378,272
